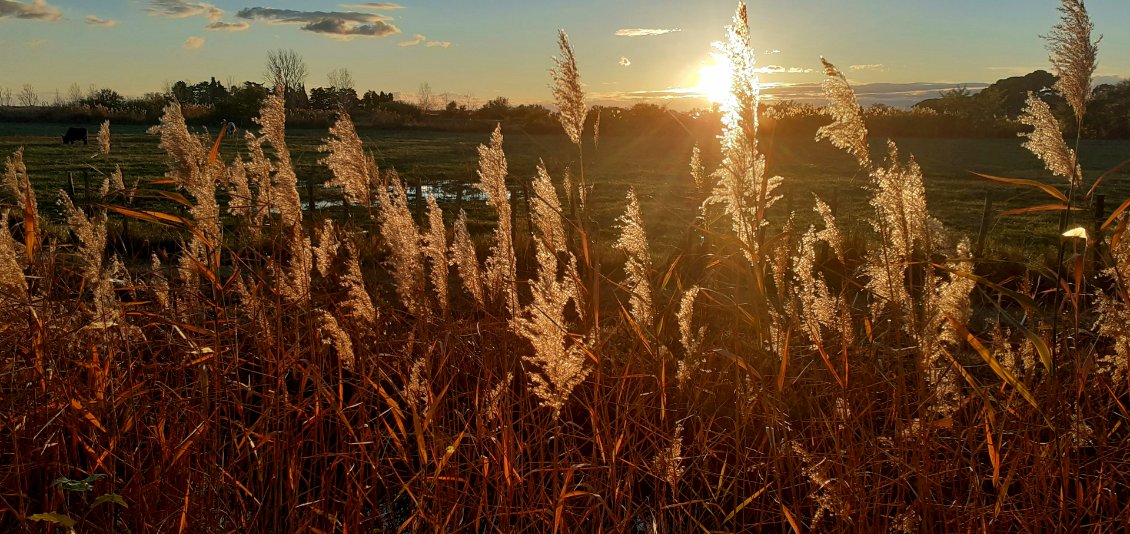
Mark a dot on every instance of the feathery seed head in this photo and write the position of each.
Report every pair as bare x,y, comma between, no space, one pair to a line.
847,131
104,138
1073,55
567,90
347,160
1046,141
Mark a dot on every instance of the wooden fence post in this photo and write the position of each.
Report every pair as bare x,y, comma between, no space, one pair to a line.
986,221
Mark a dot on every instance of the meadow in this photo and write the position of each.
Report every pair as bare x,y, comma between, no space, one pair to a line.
642,343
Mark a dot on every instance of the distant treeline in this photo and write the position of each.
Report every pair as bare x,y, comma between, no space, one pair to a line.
992,112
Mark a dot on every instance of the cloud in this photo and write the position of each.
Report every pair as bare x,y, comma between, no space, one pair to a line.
180,9
770,52
193,42
777,69
222,26
415,41
36,10
869,66
625,62
98,21
36,43
373,6
422,39
342,25
643,32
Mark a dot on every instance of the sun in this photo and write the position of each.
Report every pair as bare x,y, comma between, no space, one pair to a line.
714,82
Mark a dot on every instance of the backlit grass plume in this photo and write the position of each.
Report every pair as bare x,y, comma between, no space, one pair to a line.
12,281
435,249
742,188
403,238
1073,55
567,91
499,274
347,161
465,260
637,271
104,138
19,184
1046,141
846,131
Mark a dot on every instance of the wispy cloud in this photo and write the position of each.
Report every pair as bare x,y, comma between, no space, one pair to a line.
98,21
342,25
36,10
193,42
374,6
182,9
222,26
869,66
644,32
419,39
770,52
625,62
778,69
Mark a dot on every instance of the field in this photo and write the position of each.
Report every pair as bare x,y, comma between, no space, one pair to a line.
234,351
657,168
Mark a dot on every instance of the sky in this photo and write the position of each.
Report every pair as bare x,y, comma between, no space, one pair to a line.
893,51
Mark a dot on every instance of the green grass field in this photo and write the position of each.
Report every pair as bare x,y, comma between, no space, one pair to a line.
656,167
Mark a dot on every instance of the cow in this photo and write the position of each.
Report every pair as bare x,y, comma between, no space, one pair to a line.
73,135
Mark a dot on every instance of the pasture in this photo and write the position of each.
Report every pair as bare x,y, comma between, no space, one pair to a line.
657,167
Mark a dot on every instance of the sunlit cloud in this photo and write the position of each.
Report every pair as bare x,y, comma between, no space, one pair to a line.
777,69
36,10
98,21
770,52
869,66
193,42
222,26
181,9
374,6
343,25
644,32
625,62
419,39
414,41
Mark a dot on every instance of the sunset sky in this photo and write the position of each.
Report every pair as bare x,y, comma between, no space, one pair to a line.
627,51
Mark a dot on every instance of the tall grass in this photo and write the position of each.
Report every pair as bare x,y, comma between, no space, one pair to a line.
282,374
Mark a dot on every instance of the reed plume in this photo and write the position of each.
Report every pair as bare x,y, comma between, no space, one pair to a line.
19,183
403,238
435,250
465,260
91,234
568,93
1073,55
1046,141
499,273
12,281
847,131
347,161
104,138
637,271
333,336
689,338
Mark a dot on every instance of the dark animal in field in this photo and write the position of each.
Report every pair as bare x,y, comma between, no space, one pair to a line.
74,135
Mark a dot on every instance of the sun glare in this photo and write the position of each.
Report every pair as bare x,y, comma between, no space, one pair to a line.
714,82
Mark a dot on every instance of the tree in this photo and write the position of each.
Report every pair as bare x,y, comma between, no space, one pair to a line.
425,99
74,94
5,96
27,96
286,69
340,79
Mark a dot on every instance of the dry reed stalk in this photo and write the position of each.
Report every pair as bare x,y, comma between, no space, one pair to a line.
637,270
347,160
435,249
499,274
568,93
104,138
1073,55
403,238
742,187
12,281
465,260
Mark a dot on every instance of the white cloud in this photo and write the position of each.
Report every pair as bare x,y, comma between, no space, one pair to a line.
777,69
181,9
869,66
98,21
441,44
644,32
625,62
414,41
193,42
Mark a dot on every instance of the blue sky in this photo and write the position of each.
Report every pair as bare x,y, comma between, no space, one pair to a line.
479,49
